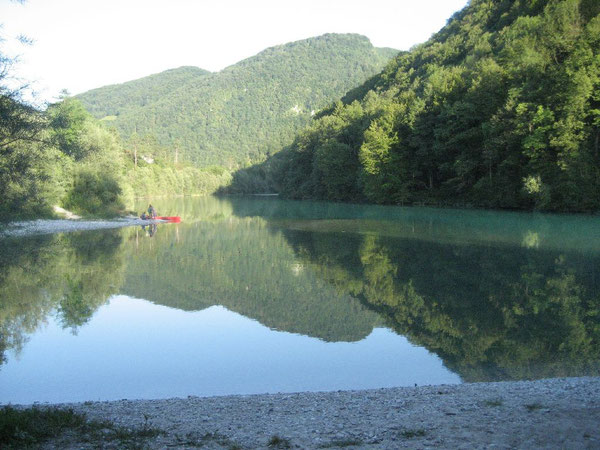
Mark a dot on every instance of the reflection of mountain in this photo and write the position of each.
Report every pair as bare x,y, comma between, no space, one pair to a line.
72,274
512,307
492,312
496,295
242,265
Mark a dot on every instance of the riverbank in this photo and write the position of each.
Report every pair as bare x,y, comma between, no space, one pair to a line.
555,413
49,226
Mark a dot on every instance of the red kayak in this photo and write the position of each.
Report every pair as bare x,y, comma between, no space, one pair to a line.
174,219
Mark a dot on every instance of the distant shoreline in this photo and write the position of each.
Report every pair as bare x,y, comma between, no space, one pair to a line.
552,413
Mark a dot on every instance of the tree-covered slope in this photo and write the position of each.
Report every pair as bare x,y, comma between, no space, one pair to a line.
246,111
109,101
501,108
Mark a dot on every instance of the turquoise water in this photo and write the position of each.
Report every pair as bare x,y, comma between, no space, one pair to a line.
255,295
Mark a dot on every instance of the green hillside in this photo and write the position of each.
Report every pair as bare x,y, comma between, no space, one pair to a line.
109,101
248,110
500,109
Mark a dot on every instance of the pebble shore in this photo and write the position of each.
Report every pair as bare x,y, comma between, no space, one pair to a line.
554,413
45,226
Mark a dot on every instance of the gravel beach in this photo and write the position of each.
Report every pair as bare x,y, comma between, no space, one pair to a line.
45,226
554,413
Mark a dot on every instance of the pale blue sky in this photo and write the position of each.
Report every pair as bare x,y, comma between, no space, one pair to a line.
83,44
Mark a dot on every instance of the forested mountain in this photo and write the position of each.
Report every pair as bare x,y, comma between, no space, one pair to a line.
109,100
246,111
501,109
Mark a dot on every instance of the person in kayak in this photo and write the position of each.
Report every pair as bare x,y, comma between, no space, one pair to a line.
150,215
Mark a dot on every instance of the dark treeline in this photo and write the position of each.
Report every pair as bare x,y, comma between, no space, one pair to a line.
499,109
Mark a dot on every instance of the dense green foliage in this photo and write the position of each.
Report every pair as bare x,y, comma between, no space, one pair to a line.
26,184
501,108
248,110
67,158
169,123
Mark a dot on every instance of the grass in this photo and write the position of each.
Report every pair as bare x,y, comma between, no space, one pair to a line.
494,402
409,434
31,427
534,406
278,442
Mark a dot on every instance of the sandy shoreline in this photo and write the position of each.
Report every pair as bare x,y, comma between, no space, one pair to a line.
554,413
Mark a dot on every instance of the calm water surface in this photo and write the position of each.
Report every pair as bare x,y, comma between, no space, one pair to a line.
254,295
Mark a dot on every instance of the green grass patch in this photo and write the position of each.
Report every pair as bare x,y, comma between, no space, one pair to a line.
409,434
534,406
31,427
494,402
279,442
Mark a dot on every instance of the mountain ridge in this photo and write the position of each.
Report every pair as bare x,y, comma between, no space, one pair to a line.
246,111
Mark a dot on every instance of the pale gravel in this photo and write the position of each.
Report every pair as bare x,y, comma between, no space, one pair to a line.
562,413
47,226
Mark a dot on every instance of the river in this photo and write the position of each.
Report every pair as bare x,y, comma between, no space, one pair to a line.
257,295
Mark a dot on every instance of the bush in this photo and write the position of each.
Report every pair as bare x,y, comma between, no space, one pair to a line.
94,192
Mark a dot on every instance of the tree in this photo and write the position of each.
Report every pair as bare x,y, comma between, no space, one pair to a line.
67,120
19,121
26,168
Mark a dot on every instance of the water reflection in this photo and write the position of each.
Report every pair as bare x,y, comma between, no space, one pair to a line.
242,264
495,295
491,313
134,349
68,275
150,229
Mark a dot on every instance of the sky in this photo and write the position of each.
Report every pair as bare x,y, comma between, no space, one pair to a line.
83,44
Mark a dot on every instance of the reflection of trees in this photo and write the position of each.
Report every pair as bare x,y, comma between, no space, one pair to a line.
72,274
242,265
491,312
